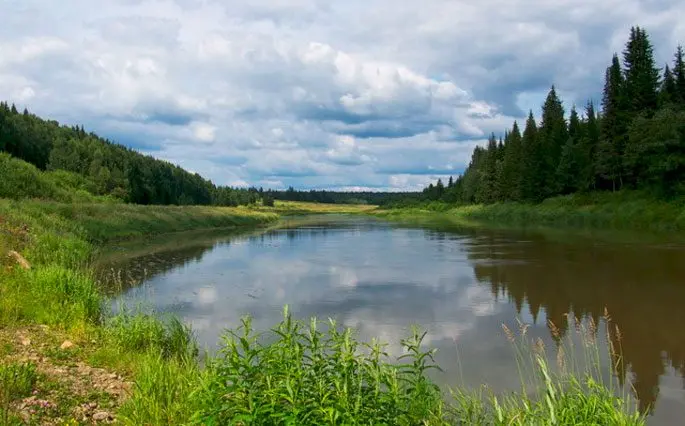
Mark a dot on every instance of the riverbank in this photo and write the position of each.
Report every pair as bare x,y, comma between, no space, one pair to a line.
56,334
52,312
631,211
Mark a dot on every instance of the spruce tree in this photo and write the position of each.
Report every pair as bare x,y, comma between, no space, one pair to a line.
679,75
668,94
512,166
614,130
589,142
530,187
488,184
641,74
439,189
553,136
569,163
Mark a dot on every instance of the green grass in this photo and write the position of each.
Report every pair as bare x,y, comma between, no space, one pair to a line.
144,333
625,210
16,381
298,374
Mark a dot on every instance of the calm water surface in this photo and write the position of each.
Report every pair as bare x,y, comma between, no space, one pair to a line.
461,286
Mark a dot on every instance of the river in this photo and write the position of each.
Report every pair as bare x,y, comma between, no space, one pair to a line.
460,285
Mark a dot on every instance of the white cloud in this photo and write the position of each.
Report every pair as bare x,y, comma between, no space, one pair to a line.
357,94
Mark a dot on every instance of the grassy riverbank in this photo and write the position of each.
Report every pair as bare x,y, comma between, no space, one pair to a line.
66,360
625,210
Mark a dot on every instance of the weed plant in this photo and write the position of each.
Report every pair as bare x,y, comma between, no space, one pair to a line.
16,381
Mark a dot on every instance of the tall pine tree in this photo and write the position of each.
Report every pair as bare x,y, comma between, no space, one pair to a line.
513,166
569,163
553,136
668,94
679,75
614,129
641,74
588,146
532,158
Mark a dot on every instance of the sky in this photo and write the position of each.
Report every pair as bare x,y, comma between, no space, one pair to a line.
324,94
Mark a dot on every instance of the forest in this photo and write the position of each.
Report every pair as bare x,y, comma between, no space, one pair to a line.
106,167
636,141
341,197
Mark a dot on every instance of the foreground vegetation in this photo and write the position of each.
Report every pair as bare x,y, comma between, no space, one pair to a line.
625,210
298,374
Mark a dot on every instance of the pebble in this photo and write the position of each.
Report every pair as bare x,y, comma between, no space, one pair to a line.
101,415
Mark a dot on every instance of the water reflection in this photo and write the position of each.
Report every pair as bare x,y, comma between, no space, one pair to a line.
642,288
460,286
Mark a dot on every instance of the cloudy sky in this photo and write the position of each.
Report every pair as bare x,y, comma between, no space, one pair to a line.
380,94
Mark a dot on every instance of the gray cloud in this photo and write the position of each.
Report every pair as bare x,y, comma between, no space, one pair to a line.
311,93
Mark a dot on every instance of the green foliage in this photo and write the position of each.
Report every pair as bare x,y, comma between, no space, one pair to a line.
59,296
16,381
144,333
641,74
165,393
304,376
299,374
656,151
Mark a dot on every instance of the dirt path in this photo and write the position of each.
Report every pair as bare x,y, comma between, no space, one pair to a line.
68,390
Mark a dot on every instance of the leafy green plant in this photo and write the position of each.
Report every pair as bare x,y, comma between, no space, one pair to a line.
306,376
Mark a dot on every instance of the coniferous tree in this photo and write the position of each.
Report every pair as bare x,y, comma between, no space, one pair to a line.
679,75
641,74
553,136
488,182
439,189
614,130
668,94
656,150
570,161
530,188
513,166
588,146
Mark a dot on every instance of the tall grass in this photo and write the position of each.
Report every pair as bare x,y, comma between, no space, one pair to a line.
146,333
16,381
297,373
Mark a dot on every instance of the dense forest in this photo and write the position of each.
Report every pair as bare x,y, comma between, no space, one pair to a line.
342,197
636,141
109,168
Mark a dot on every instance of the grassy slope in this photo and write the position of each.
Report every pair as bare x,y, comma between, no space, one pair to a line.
620,211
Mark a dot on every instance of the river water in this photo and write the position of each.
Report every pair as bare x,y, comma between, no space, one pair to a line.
460,285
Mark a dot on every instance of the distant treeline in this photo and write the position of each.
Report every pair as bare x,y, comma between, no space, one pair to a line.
341,197
637,141
109,168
